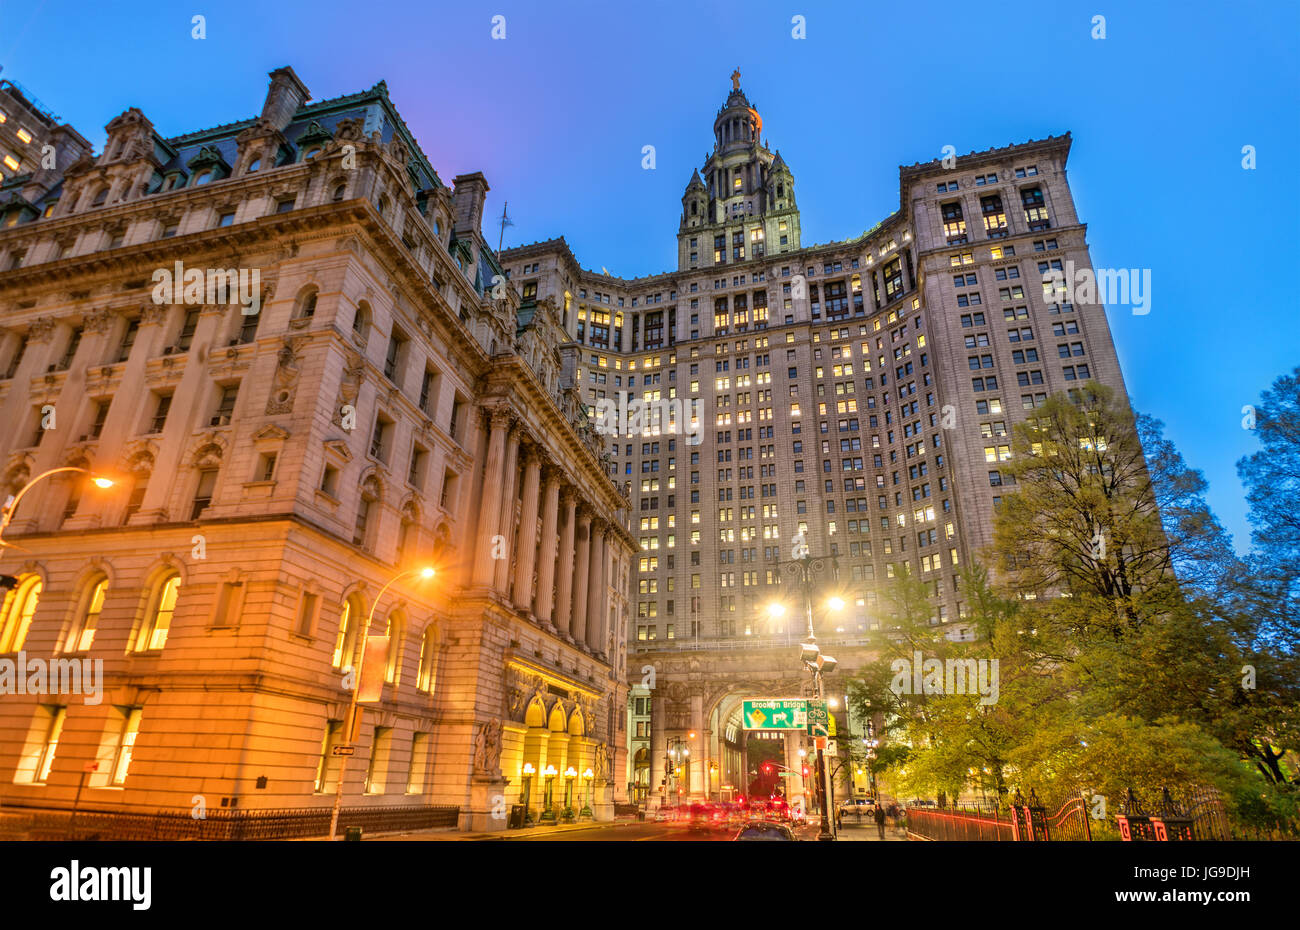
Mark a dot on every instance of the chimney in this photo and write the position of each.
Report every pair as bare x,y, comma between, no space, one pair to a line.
467,199
283,98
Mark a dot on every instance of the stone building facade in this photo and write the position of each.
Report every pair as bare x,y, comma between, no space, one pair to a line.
860,392
337,391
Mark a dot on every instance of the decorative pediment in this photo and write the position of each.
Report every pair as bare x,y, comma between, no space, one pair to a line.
315,134
271,433
338,449
208,157
349,130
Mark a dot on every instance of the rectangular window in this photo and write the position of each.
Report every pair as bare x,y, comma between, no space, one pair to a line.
126,743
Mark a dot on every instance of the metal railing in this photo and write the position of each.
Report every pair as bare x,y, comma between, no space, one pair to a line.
272,824
945,824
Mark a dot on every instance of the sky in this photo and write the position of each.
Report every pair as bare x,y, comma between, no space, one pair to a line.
557,113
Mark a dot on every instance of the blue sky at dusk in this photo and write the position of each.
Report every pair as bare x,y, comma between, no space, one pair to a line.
556,116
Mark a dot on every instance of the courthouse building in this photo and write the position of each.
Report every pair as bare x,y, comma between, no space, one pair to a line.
860,392
338,391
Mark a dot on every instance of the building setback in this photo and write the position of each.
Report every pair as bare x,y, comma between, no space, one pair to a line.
860,392
368,404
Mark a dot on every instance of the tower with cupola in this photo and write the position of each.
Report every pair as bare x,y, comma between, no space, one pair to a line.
741,206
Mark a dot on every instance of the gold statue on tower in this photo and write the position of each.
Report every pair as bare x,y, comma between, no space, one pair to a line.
735,79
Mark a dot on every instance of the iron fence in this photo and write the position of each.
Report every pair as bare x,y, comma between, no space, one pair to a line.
959,824
271,824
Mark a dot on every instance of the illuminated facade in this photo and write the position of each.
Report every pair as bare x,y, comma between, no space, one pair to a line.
334,393
860,392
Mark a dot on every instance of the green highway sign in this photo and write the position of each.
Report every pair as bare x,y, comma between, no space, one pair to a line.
774,714
818,718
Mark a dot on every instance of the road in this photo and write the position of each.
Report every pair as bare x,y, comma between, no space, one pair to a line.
673,832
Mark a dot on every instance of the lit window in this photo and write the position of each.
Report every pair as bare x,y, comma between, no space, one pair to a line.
154,635
16,616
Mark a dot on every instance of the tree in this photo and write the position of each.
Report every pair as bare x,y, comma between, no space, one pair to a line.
1083,520
1272,480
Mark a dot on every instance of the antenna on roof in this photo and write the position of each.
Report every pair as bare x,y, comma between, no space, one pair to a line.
504,221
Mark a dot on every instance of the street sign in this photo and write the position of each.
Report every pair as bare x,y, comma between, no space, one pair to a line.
774,713
343,751
818,718
830,748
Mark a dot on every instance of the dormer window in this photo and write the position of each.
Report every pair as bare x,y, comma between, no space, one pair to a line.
311,153
100,198
254,165
203,177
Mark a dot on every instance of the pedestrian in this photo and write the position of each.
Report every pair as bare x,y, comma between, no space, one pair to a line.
880,821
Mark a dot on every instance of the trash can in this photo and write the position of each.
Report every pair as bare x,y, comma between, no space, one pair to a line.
516,821
352,834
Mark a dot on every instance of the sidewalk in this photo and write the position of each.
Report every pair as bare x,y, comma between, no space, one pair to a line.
446,834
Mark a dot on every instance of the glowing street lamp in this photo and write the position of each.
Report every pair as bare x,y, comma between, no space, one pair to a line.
354,718
11,505
549,773
529,771
569,775
588,775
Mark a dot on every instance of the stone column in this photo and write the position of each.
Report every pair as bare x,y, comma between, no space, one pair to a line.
528,534
489,513
506,522
597,611
564,585
658,747
580,583
547,554
699,755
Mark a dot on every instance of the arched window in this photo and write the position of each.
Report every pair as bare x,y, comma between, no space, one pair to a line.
158,617
311,153
428,659
361,320
347,643
254,165
16,614
365,506
86,621
396,634
340,192
101,196
383,206
203,177
306,308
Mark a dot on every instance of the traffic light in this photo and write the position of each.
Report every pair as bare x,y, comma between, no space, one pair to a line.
767,769
805,771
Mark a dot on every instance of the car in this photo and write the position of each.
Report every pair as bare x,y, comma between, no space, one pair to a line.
858,806
764,831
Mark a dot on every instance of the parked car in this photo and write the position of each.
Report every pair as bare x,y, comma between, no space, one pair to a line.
860,807
764,831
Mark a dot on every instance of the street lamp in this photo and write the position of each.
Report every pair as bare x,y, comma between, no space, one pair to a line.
529,772
549,773
354,716
569,775
11,505
586,795
810,654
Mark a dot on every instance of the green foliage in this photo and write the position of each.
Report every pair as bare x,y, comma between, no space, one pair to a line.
1157,660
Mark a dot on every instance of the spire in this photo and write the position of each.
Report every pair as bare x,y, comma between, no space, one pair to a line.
696,181
778,163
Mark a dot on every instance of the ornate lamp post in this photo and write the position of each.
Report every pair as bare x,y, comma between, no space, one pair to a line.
548,812
804,566
588,775
529,772
569,775
353,718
